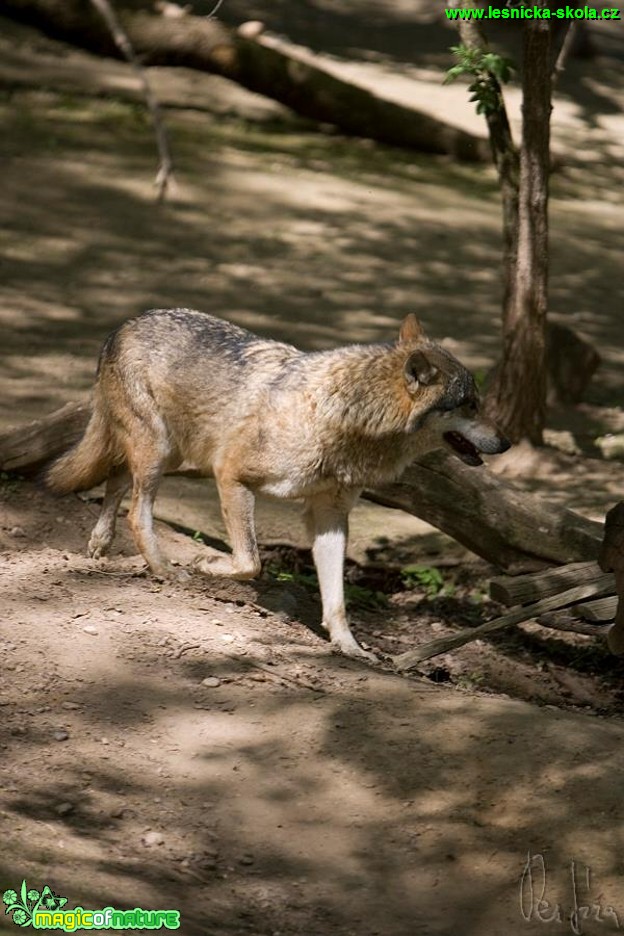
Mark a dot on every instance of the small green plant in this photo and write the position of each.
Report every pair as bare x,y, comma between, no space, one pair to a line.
472,680
427,577
364,599
306,579
488,71
480,375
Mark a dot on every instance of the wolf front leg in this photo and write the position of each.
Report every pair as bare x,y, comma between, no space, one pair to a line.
327,518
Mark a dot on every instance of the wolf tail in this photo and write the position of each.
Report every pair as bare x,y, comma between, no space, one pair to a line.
89,462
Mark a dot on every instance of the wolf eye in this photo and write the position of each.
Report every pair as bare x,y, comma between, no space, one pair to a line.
472,406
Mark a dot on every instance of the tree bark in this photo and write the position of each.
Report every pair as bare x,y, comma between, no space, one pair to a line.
517,398
292,77
487,515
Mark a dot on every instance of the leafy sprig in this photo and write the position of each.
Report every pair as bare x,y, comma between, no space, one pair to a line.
489,71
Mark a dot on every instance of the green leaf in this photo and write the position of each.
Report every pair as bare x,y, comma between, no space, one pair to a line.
455,72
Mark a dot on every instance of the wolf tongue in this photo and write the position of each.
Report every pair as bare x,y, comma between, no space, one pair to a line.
464,448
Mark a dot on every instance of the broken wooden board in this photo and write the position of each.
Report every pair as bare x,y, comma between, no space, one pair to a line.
517,615
523,589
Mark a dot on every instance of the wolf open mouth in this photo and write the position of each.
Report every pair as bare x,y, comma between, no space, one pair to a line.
463,447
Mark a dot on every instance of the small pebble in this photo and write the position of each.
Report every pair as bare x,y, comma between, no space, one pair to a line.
64,809
123,812
70,706
211,682
60,734
152,838
90,629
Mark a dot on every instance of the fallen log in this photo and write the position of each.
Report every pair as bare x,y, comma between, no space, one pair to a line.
487,515
288,74
514,530
26,449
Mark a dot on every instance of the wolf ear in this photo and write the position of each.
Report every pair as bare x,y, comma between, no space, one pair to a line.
419,372
411,330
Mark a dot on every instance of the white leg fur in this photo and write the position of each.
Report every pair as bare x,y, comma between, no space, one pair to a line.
327,517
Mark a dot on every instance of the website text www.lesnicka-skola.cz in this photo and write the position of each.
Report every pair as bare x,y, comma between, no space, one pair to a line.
523,11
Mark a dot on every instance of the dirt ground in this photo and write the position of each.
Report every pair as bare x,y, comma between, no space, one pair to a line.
198,747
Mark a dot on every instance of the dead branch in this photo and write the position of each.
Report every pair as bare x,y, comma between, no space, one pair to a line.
165,169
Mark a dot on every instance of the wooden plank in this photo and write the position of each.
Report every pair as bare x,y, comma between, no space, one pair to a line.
567,620
601,611
434,648
523,589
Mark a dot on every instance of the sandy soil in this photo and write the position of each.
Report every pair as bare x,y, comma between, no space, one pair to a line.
199,747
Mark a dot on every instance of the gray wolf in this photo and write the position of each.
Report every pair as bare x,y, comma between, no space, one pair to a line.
177,388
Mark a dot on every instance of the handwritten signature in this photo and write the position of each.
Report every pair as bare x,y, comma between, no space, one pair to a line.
534,905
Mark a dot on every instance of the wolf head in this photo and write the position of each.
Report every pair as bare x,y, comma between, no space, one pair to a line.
445,402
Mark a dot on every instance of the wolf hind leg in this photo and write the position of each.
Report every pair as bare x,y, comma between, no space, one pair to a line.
141,521
327,518
149,453
237,507
104,530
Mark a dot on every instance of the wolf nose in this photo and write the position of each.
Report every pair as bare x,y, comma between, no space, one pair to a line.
503,445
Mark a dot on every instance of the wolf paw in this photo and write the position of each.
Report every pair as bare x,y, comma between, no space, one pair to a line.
97,546
224,566
349,646
171,573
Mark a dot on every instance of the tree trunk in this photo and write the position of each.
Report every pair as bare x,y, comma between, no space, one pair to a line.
517,398
293,77
612,559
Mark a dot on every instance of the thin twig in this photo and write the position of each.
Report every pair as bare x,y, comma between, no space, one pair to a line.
564,44
165,169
